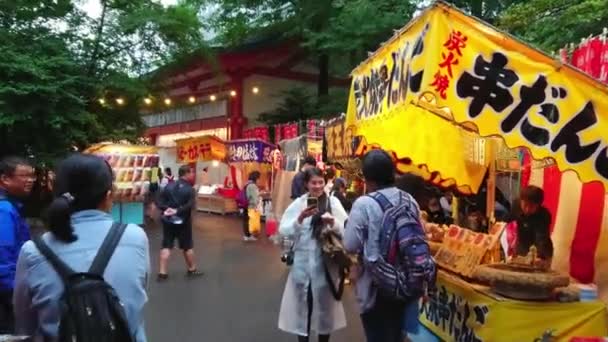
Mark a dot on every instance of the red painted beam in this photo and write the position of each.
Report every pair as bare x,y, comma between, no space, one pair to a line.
189,126
292,61
298,76
193,82
233,60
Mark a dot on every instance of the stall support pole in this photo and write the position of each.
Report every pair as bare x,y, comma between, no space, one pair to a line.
491,184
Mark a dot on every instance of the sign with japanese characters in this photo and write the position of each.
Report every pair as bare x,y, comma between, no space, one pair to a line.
461,312
454,66
250,151
338,141
203,148
462,250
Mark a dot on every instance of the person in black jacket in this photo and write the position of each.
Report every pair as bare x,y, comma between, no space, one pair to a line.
339,191
175,202
534,225
298,185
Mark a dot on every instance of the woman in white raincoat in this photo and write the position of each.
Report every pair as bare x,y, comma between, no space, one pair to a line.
308,303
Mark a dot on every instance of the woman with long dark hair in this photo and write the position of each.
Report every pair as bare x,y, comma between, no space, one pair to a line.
308,302
78,223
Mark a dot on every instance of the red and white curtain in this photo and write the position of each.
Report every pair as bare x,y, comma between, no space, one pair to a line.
580,222
260,132
591,56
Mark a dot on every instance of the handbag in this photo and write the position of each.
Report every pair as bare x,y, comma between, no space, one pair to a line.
333,254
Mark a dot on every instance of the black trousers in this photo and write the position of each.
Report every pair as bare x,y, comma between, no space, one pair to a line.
7,317
322,338
384,322
246,223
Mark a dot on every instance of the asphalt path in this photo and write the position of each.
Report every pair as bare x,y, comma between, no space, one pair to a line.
236,300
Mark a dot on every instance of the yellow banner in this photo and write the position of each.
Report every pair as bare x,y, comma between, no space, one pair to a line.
203,148
459,312
456,67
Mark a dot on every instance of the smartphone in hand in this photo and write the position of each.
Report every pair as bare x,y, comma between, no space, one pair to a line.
312,202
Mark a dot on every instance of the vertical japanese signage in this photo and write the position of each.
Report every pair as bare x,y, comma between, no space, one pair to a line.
250,151
474,73
204,148
339,140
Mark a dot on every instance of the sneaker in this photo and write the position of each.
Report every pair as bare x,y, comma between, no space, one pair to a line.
194,274
162,277
249,238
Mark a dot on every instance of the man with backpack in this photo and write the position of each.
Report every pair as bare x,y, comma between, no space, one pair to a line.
395,264
176,202
16,182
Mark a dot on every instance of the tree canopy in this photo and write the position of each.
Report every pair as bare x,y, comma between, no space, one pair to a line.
56,62
552,24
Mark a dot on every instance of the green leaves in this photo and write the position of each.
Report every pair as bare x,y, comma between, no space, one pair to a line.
552,24
56,62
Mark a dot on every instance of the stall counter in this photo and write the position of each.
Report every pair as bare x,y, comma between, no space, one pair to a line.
461,311
216,204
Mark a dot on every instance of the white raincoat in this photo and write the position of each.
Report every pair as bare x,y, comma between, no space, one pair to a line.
307,270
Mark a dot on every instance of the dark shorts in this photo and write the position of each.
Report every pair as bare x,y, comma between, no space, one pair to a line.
183,234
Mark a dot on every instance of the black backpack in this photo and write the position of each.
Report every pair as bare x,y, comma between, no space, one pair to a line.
90,308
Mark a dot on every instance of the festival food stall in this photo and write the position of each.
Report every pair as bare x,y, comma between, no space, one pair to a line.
134,167
293,151
339,152
248,155
439,95
208,154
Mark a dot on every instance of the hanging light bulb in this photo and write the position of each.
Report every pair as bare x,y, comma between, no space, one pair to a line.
102,101
192,99
233,93
212,98
120,101
255,90
148,101
168,101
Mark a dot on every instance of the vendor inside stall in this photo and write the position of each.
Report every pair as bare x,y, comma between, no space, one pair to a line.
534,226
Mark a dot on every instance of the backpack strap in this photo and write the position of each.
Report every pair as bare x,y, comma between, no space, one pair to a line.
382,201
107,249
63,270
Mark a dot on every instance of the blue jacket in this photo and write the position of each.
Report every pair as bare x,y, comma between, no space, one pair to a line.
14,232
38,288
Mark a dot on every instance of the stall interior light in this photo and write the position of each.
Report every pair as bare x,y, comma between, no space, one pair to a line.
120,101
168,101
212,98
192,99
148,101
255,90
233,93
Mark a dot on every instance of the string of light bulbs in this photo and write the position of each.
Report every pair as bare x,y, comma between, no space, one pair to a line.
148,101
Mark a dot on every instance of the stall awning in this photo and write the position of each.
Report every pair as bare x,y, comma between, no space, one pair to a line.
447,64
205,148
